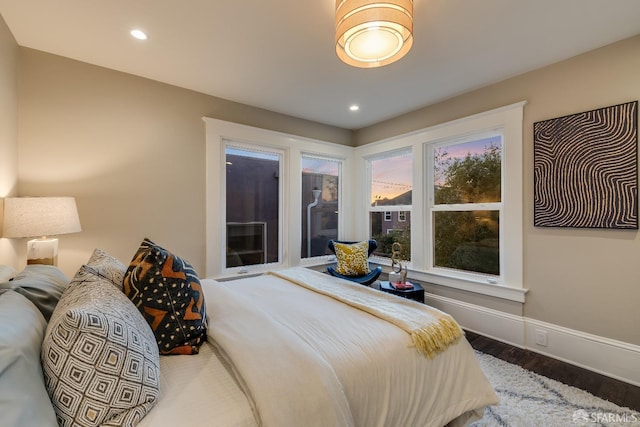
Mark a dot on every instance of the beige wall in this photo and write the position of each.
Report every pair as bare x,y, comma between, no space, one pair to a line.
586,280
131,150
8,132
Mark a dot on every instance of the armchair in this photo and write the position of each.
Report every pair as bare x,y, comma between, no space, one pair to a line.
366,279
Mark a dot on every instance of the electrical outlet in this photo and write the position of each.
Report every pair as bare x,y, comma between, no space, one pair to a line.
541,337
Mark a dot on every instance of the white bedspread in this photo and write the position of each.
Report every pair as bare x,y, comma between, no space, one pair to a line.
198,390
308,359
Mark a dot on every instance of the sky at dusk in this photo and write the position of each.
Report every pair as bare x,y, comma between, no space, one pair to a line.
393,176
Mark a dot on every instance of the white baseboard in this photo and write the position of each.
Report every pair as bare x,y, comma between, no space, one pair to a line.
615,359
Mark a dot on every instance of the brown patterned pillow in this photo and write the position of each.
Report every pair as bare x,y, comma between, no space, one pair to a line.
100,362
167,291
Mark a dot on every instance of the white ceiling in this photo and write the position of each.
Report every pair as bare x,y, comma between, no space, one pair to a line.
279,54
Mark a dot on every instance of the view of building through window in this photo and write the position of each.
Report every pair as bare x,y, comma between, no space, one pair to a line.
391,194
467,205
320,196
252,207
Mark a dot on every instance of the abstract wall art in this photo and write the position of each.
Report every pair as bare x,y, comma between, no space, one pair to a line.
586,169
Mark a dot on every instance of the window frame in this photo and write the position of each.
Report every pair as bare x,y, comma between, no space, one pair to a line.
324,258
508,121
384,209
460,207
355,188
218,134
282,230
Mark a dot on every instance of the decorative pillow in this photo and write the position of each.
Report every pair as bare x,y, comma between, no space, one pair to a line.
23,398
100,361
7,273
353,258
108,267
167,291
42,284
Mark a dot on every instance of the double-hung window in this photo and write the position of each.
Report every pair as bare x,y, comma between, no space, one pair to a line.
320,204
390,183
454,192
253,206
450,194
273,199
466,204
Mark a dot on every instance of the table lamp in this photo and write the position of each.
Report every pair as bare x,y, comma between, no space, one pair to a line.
40,217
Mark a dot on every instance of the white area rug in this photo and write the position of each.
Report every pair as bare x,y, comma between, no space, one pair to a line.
528,399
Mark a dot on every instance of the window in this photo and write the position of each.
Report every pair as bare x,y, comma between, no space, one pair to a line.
257,196
467,205
252,206
391,189
462,183
453,233
320,204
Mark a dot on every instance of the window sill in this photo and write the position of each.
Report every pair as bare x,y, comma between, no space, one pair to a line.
491,289
479,286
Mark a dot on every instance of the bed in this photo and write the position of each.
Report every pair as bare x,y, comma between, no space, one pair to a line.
281,354
291,348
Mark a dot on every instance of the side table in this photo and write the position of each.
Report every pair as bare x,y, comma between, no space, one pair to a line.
416,293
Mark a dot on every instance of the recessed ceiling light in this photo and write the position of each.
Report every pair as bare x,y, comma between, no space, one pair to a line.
354,108
139,34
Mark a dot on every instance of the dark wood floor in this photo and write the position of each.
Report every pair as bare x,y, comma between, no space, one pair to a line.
615,391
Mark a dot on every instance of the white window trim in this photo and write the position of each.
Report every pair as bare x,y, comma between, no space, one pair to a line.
282,181
509,121
387,214
355,195
218,132
431,207
323,259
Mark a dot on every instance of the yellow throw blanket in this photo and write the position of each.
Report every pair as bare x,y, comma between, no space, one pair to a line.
431,330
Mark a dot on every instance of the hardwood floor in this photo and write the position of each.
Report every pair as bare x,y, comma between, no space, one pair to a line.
615,391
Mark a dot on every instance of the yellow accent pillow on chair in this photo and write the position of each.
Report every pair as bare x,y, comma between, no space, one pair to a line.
353,258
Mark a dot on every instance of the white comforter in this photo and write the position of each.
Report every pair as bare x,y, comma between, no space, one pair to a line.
307,359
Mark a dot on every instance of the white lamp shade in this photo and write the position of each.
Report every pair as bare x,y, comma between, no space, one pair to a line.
40,216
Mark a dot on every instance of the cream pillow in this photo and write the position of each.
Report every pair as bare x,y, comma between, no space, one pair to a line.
353,258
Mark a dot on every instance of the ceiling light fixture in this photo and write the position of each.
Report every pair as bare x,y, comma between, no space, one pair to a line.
354,108
373,33
139,34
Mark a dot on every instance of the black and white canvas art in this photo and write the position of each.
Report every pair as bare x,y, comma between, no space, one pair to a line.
586,169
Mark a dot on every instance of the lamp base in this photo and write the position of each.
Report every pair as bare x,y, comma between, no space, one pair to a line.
42,251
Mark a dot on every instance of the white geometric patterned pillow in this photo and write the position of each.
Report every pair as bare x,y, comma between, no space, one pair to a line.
107,266
99,356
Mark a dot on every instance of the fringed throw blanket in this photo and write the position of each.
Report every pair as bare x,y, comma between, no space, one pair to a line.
431,330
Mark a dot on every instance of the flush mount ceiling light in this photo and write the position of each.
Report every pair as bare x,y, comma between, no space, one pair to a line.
373,33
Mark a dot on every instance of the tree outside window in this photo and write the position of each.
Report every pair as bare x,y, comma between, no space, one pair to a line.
467,205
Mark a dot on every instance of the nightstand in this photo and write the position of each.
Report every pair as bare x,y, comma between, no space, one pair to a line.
416,294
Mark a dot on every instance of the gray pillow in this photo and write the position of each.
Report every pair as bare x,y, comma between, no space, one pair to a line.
23,398
6,273
99,356
43,285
